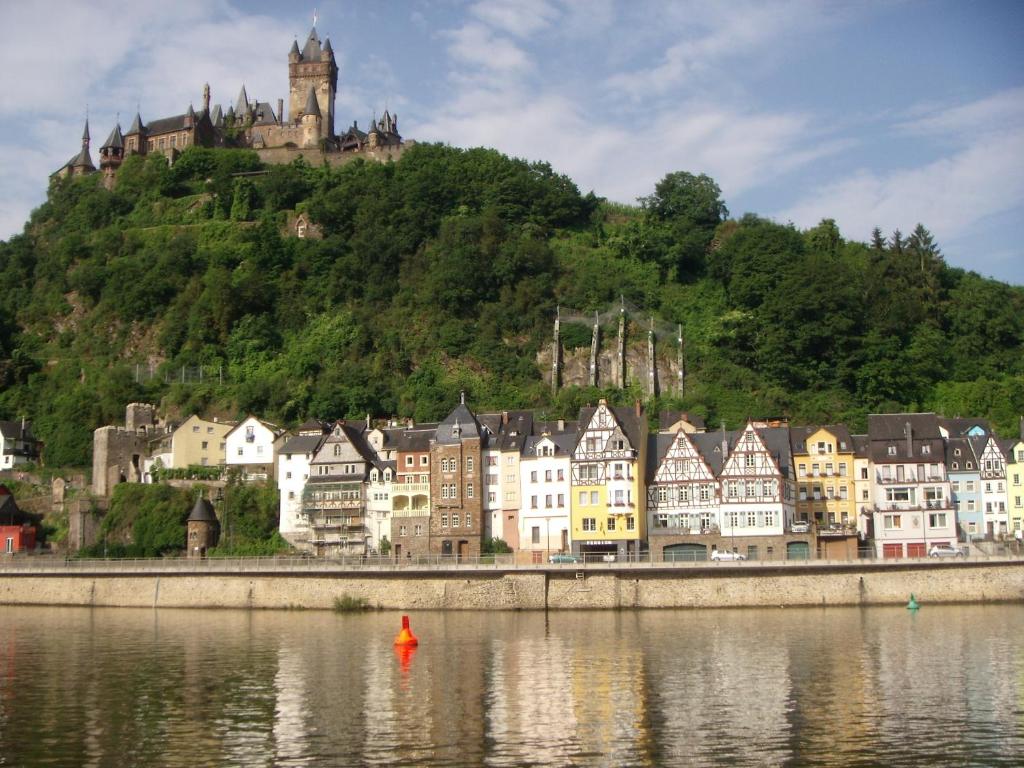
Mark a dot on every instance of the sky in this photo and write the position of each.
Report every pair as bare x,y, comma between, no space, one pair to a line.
873,114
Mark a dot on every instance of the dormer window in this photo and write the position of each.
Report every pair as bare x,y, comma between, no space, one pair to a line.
456,429
956,465
925,450
970,465
956,451
892,450
387,475
373,476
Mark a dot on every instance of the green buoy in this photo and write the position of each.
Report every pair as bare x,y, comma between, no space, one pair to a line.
912,605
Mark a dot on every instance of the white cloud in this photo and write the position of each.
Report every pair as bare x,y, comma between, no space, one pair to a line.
474,44
517,17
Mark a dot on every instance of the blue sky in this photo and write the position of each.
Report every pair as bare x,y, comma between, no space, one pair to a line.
871,113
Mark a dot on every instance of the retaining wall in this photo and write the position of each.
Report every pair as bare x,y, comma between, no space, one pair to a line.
701,586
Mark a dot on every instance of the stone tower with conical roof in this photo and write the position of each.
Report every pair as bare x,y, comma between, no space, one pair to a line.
312,67
111,155
203,528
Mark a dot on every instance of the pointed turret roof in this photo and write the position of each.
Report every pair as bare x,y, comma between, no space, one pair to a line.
311,50
191,112
295,48
312,107
242,106
373,126
114,140
217,117
82,160
202,512
85,133
327,47
136,126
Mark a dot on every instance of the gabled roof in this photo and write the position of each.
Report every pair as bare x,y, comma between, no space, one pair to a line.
861,446
668,419
626,417
709,445
242,104
963,445
166,125
958,427
799,435
276,430
417,439
889,431
564,443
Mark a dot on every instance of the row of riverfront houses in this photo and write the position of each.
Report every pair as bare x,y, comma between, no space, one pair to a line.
607,485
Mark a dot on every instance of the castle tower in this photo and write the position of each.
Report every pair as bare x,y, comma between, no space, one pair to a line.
81,164
111,155
312,67
206,98
135,139
203,528
373,137
312,120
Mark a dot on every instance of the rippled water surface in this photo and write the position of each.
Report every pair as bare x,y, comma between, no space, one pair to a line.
116,687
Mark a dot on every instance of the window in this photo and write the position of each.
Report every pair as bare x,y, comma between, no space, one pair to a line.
469,490
898,494
863,473
561,475
769,518
926,450
418,530
589,524
842,493
535,534
842,469
509,460
209,430
455,520
510,495
611,523
547,501
583,498
751,519
561,500
337,449
510,478
533,502
802,470
750,461
424,460
828,469
663,495
259,449
593,498
891,522
195,428
239,450
705,493
492,497
969,485
287,475
630,523
469,463
533,477
408,461
204,445
547,475
402,530
291,494
937,520
444,521
492,461
892,450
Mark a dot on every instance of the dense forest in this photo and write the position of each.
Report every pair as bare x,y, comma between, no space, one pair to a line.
442,272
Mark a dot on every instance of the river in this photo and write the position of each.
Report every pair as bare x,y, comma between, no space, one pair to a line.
830,686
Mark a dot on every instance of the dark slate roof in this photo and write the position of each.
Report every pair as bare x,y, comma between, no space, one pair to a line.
416,440
312,107
327,46
564,443
373,126
12,430
242,105
311,50
357,437
303,444
10,512
264,114
657,446
710,446
166,125
777,441
861,446
218,116
958,427
966,452
202,512
468,426
114,139
85,133
136,126
798,436
313,424
885,430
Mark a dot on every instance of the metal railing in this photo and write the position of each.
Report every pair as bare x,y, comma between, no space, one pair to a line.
46,564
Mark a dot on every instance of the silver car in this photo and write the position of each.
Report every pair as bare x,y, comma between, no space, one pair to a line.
945,550
725,556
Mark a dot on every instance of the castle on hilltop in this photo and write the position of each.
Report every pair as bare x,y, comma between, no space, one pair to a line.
250,123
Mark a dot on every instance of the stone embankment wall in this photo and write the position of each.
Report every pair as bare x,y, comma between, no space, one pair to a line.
567,587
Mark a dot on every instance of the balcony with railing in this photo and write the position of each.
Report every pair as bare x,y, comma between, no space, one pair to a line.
410,488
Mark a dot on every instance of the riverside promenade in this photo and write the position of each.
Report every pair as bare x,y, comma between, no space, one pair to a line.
496,583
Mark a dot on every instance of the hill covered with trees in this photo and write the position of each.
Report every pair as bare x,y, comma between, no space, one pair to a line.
442,272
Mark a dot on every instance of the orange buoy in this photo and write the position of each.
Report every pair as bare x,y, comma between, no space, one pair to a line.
406,637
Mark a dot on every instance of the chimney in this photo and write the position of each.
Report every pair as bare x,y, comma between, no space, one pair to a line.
462,397
909,432
280,111
561,425
725,444
367,421
504,417
639,409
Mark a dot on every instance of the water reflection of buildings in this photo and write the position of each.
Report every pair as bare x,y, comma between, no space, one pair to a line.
721,689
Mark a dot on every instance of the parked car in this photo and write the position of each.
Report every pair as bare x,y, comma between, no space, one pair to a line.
945,550
608,557
563,557
726,556
801,526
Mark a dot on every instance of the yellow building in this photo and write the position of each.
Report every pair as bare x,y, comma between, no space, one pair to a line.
825,478
1015,488
198,442
608,494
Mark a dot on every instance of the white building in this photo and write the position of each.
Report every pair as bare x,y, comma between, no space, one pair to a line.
250,447
292,473
757,484
545,486
992,463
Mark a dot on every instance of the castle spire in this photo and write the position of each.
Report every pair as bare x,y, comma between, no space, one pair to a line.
312,107
85,133
242,107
